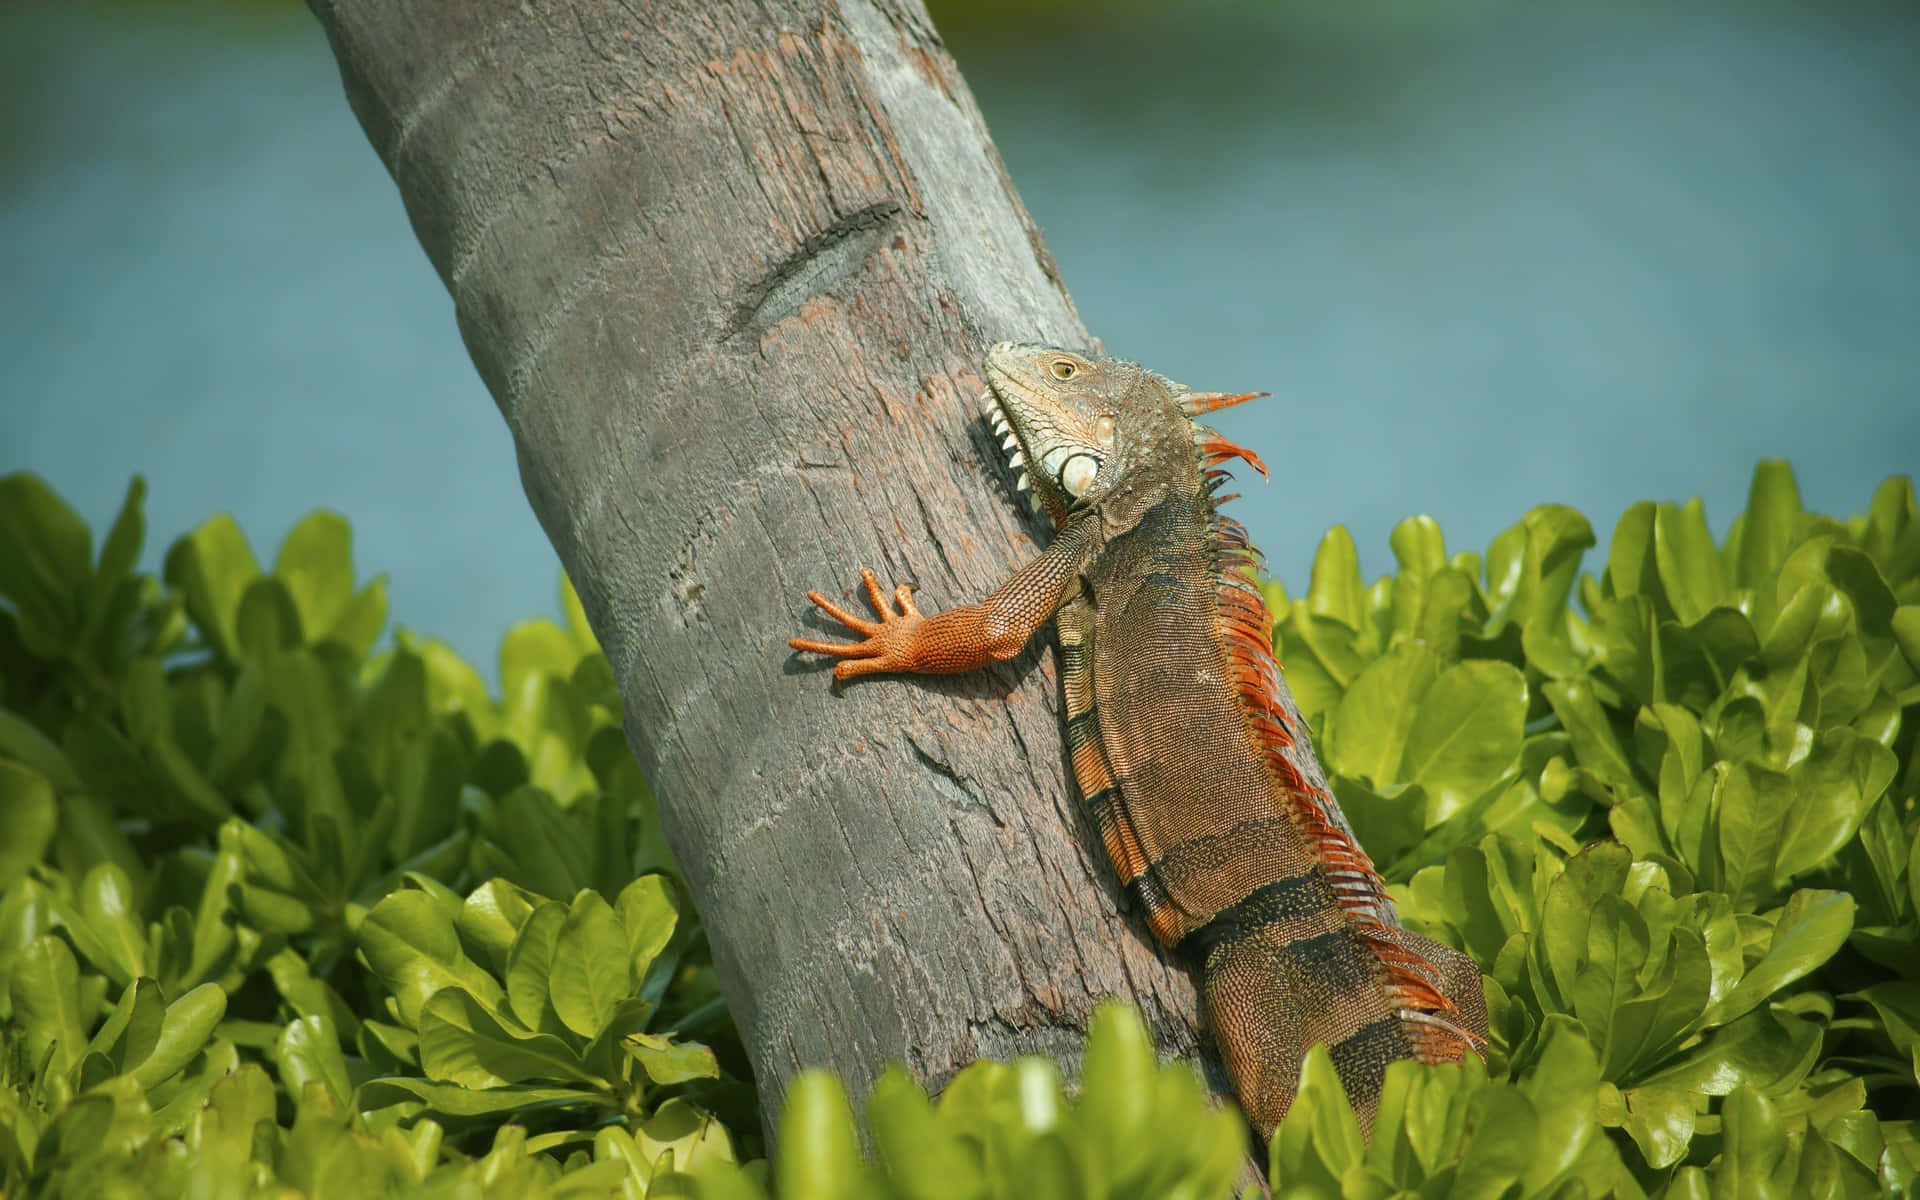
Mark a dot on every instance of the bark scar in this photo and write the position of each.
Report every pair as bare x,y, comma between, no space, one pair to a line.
948,779
824,261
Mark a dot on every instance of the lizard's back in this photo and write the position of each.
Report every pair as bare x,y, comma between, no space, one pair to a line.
1188,753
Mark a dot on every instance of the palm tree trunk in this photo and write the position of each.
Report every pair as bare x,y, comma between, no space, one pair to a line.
727,269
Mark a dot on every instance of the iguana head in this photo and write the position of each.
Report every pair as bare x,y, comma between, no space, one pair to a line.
1085,431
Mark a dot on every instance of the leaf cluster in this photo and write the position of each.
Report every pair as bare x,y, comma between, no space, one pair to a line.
1670,809
282,910
1138,1129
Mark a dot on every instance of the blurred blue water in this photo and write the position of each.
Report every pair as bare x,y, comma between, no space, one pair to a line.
1489,255
210,279
1485,256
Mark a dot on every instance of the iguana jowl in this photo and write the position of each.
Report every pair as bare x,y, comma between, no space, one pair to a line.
1192,760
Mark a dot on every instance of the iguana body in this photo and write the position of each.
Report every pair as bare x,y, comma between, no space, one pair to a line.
1190,756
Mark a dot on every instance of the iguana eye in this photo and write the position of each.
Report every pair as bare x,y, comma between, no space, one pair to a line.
1076,474
1062,369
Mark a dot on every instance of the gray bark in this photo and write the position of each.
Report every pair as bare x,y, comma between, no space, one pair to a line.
727,269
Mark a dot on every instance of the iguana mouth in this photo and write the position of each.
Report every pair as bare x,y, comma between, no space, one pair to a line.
1001,421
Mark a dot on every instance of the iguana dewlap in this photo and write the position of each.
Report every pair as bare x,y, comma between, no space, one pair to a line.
1192,760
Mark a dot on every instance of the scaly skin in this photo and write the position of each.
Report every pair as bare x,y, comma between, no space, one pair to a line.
1190,756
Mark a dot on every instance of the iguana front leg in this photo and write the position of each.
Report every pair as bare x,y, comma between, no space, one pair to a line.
956,639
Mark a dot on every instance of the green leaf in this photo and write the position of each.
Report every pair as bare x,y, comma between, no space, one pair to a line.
132,1029
1501,1146
820,1158
1698,662
309,1049
1873,601
408,939
1814,611
1833,789
29,815
1913,875
315,565
1115,1090
578,627
1561,1089
696,1142
1661,1121
491,918
591,969
1560,945
1690,567
462,1041
530,967
44,983
1811,929
1756,1143
927,1156
1466,734
251,735
1319,1141
1530,572
605,1055
267,623
550,852
1632,569
1772,522
212,567
308,995
235,1107
189,1023
45,562
1905,626
108,929
121,550
1450,596
1336,590
1595,742
358,626
1367,732
533,650
113,1114
1644,1027
649,914
667,1061
1417,546
1749,810
1897,1003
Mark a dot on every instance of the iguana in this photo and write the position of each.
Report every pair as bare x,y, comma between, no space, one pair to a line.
1192,760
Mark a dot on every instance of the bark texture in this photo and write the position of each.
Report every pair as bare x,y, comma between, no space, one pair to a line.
728,269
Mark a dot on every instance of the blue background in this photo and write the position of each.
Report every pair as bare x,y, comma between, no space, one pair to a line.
1485,255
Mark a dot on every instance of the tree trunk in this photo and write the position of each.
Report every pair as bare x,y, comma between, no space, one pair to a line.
728,270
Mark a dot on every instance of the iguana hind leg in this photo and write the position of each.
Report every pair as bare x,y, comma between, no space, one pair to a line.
1270,999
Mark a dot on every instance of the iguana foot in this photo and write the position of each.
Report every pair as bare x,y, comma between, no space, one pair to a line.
891,642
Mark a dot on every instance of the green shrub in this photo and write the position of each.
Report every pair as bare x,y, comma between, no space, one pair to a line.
1741,958
281,912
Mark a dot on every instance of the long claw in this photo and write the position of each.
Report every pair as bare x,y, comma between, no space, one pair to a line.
874,593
